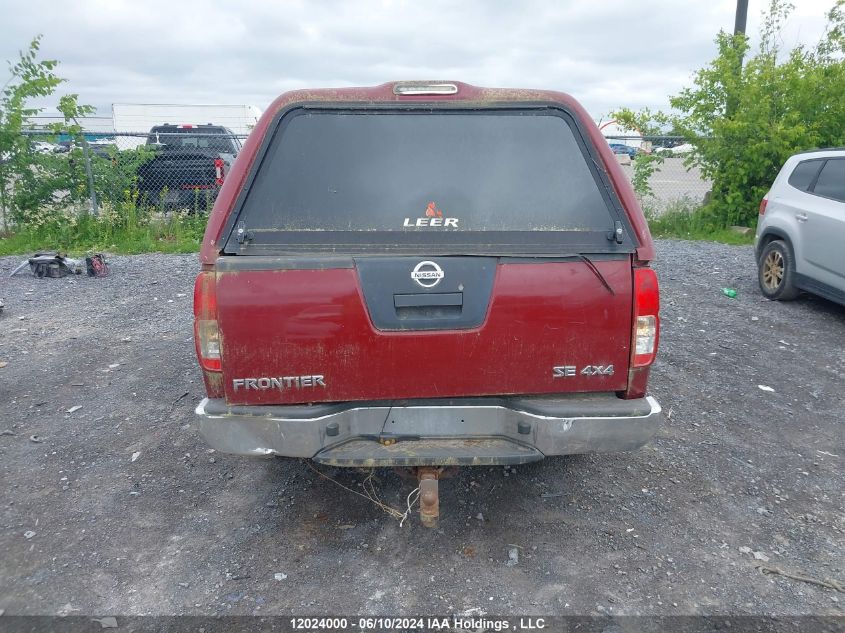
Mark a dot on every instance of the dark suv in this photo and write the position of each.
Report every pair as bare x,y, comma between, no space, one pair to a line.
426,275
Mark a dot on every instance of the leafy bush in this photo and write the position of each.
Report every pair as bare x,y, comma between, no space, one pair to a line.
123,227
24,177
45,196
115,174
685,219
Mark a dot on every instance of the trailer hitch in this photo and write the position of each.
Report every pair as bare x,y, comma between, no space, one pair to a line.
429,496
428,479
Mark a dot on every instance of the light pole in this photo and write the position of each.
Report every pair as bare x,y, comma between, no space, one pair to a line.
741,16
739,29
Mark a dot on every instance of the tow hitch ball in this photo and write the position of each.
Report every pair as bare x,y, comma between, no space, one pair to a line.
428,479
429,496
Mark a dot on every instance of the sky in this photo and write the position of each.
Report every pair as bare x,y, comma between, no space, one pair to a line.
607,54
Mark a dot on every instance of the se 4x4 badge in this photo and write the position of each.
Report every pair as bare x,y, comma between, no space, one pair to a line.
568,371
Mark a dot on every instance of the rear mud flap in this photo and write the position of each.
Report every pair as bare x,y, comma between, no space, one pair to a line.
370,453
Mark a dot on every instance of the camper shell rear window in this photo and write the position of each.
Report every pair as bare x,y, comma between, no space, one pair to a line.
447,181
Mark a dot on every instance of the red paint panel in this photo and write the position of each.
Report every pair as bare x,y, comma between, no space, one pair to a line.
315,322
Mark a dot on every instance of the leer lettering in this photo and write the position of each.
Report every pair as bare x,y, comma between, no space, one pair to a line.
420,222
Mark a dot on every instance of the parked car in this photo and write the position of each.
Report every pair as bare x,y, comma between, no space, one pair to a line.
621,148
43,147
104,147
676,150
409,275
190,165
802,228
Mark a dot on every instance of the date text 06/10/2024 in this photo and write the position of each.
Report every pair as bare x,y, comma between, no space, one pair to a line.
454,623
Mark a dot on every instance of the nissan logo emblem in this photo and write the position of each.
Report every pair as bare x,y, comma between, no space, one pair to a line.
427,274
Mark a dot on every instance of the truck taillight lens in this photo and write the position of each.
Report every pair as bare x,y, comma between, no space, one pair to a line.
219,174
763,204
206,332
646,319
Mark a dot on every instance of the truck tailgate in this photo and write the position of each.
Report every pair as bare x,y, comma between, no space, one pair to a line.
364,329
178,170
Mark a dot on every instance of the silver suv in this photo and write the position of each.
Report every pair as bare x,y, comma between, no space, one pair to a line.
801,231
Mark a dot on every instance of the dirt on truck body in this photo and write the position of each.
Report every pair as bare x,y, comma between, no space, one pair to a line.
426,274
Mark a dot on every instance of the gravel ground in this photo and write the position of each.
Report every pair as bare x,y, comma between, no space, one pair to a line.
118,507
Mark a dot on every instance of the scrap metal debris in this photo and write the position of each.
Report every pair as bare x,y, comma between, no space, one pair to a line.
96,266
50,265
828,583
55,265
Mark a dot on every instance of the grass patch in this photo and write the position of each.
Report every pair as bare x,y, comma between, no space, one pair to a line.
126,230
690,221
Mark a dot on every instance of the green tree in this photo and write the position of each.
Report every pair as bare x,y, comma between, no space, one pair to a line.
744,121
114,173
20,182
646,123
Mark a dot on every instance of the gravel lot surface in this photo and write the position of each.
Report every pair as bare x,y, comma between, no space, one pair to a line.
118,507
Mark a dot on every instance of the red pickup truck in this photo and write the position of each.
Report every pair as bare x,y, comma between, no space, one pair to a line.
426,274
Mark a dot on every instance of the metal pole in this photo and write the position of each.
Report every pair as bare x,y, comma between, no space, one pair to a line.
741,17
740,23
3,204
89,173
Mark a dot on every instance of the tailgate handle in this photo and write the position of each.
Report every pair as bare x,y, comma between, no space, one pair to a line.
427,300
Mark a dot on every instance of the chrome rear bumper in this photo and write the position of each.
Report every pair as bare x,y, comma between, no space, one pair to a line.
480,431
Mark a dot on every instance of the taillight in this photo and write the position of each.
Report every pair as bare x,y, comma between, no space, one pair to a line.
206,333
218,170
763,203
646,319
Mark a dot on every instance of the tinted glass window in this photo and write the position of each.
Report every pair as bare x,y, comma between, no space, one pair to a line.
804,174
214,139
421,171
831,182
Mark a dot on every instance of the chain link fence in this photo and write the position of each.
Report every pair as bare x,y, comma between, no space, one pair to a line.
672,185
168,168
181,168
